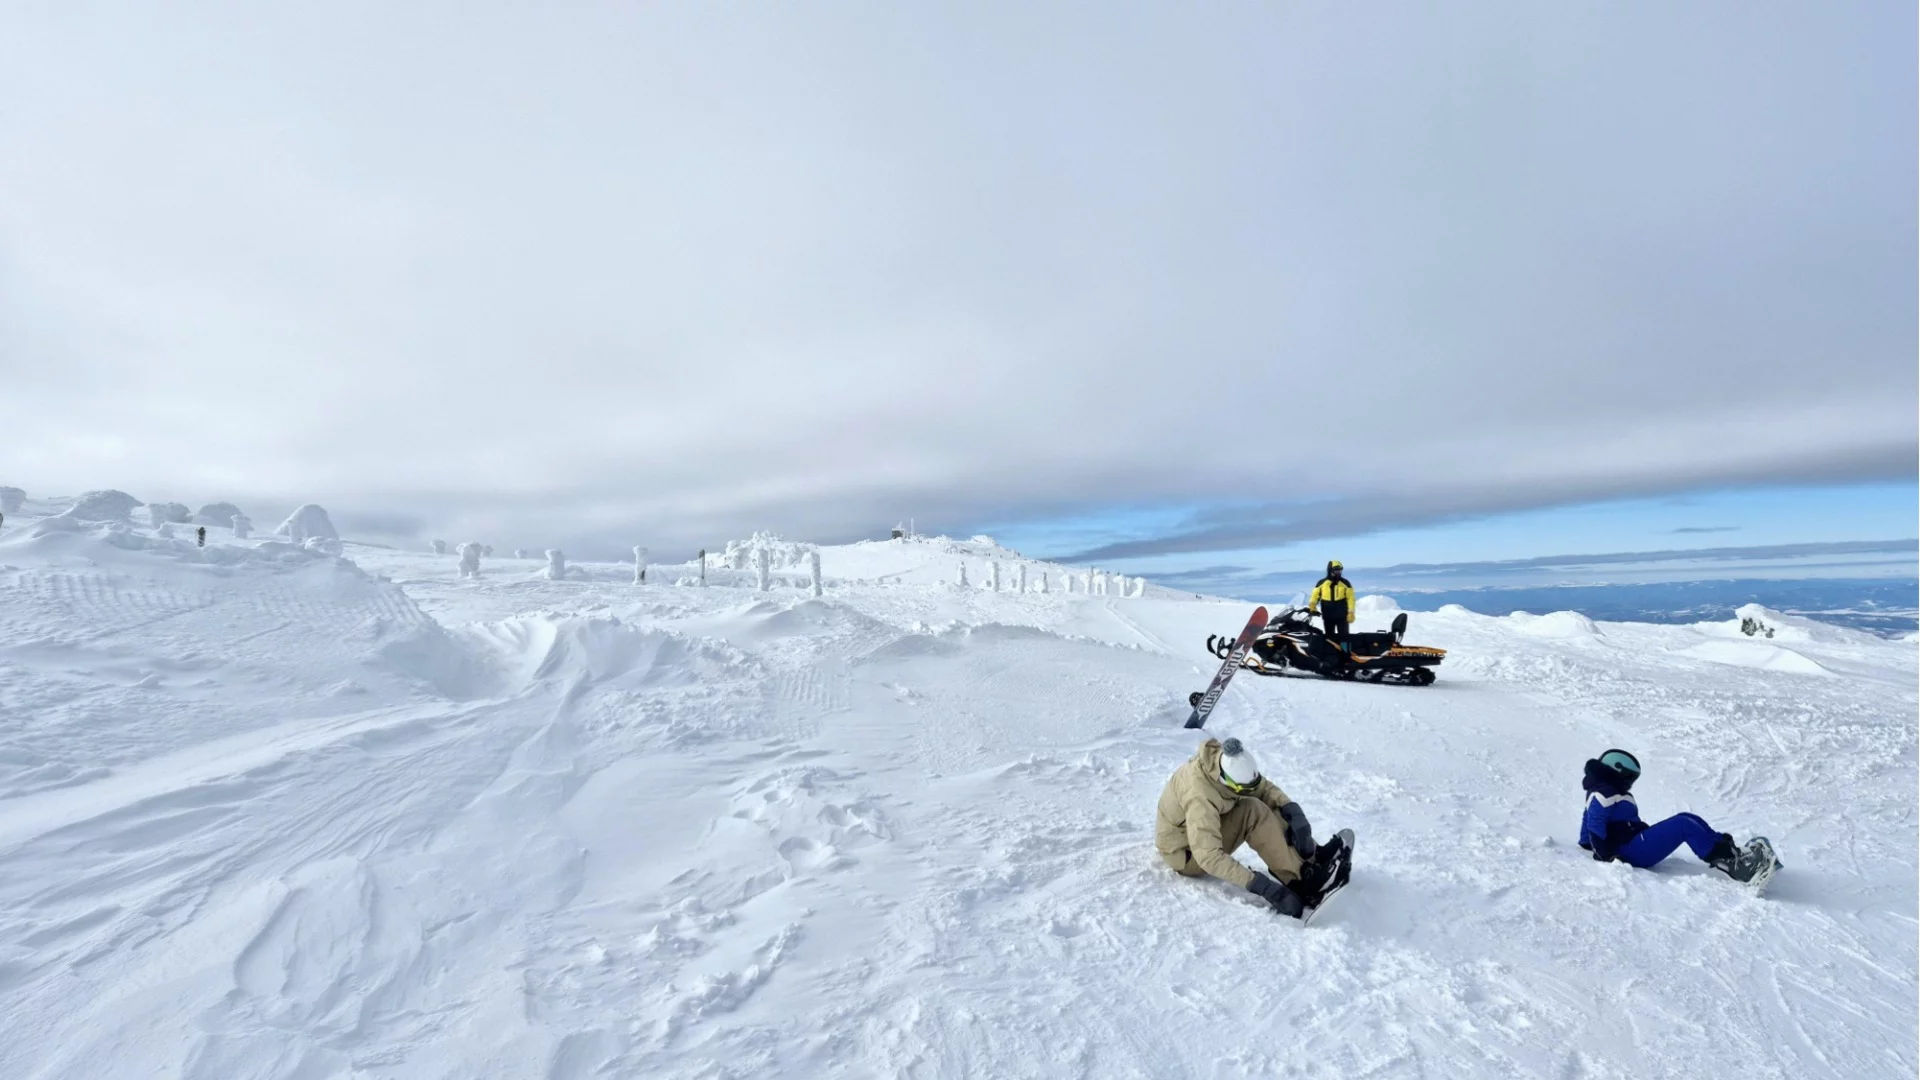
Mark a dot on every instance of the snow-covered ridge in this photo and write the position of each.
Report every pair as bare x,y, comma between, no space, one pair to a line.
265,811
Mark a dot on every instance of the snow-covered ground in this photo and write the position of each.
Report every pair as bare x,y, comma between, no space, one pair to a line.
265,812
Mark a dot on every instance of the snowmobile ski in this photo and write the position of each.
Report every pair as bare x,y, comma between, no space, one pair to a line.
1203,703
1342,873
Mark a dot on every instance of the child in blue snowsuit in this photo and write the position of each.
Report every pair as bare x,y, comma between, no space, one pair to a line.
1612,829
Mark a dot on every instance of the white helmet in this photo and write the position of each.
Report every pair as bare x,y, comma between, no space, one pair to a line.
1238,770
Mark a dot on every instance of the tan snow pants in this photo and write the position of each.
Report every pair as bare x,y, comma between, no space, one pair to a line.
1256,824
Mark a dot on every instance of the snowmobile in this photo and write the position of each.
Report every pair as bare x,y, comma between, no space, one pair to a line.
1292,645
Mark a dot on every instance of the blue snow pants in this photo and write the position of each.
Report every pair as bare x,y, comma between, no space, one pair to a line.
1661,839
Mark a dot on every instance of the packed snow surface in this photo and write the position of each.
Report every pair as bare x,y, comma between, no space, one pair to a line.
266,812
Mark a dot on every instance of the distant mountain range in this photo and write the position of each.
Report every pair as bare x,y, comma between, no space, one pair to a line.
1877,605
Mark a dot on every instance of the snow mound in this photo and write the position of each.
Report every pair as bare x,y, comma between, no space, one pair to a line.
220,513
307,523
1792,628
1377,605
169,513
1761,655
1555,626
103,506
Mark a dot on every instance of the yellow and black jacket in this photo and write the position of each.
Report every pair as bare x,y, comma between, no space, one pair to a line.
1335,591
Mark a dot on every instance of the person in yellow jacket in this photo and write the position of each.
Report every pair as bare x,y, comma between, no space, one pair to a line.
1333,599
1216,802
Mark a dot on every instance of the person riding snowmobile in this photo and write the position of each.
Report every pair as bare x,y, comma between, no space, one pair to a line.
1611,827
1217,801
1333,599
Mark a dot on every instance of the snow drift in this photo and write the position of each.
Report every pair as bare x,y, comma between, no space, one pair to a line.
265,812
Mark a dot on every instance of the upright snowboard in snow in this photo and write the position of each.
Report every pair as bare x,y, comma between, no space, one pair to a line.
1203,703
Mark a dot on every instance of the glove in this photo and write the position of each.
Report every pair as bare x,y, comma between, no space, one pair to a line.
1299,831
1278,896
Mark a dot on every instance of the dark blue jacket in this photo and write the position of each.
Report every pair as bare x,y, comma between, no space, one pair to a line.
1612,817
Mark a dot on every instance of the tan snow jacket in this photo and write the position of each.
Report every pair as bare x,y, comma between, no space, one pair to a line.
1190,811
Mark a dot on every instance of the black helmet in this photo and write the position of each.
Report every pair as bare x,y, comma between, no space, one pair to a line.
1623,764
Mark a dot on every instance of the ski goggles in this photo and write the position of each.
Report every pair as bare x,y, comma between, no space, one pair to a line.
1240,789
1621,761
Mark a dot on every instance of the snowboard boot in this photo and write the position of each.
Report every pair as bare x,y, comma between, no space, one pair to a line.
1315,877
1725,857
1755,859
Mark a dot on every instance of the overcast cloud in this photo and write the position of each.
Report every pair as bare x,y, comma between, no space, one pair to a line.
612,274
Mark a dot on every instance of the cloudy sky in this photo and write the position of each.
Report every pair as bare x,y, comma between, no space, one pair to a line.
1142,283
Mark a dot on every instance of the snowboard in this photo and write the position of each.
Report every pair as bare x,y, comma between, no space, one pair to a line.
1203,703
1341,874
1761,848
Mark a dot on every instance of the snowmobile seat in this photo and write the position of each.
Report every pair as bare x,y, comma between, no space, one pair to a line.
1369,644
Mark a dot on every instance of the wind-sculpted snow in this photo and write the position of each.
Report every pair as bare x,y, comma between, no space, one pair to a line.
269,813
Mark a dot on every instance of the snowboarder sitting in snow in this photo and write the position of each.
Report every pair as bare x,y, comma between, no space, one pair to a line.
1217,801
1612,829
1333,599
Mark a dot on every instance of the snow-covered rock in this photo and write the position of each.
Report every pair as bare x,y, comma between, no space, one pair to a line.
1794,628
220,514
1558,625
307,523
169,513
103,506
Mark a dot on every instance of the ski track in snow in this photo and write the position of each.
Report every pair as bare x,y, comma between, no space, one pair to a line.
291,817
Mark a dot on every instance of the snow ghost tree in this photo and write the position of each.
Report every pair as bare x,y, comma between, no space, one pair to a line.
962,581
1020,579
639,565
521,553
469,560
556,564
439,547
487,550
763,568
1043,581
813,569
307,523
242,526
168,513
215,514
11,499
993,575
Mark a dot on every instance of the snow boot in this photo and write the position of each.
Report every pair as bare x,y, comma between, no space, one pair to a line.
1725,857
1318,873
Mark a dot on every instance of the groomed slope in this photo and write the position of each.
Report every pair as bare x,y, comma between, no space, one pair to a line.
275,814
